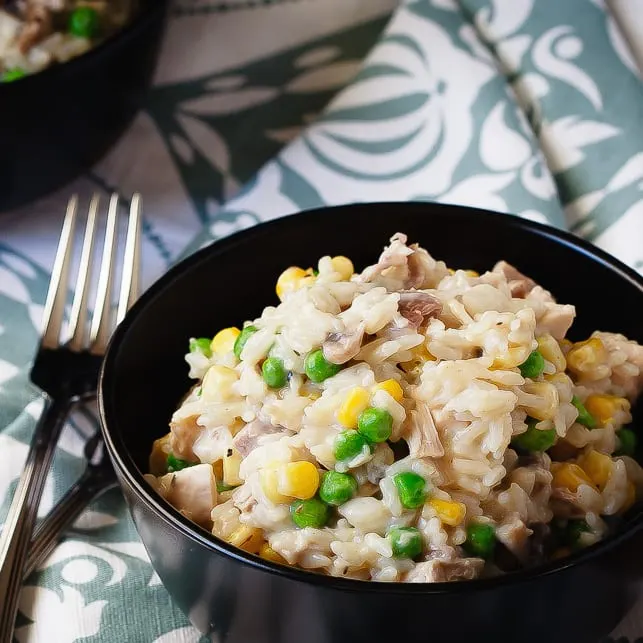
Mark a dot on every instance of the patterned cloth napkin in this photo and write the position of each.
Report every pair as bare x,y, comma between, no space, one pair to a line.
519,106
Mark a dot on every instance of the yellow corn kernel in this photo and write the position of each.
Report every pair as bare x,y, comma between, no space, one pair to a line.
268,553
291,279
515,356
231,464
451,271
217,383
217,467
158,457
449,512
344,266
550,349
597,466
546,407
247,538
354,403
584,357
269,479
471,273
223,341
298,479
392,387
630,499
605,407
569,476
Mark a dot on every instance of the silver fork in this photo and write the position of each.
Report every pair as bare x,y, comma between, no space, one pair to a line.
98,477
67,372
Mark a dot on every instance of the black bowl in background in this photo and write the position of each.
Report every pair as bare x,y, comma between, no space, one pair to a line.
241,599
59,122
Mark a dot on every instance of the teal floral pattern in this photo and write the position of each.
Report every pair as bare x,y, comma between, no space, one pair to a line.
264,108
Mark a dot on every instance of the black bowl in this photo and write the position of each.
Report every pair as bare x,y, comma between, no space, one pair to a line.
240,598
57,123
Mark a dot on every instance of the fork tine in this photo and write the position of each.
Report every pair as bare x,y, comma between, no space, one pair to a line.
79,305
100,318
129,281
57,293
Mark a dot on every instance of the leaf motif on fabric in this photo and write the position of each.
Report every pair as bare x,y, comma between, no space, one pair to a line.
512,50
631,172
501,147
533,215
18,265
182,148
564,139
470,37
537,179
207,140
71,549
7,370
11,286
224,83
317,56
56,619
79,571
623,235
503,17
583,205
331,76
182,635
620,46
135,549
229,102
480,191
91,519
551,54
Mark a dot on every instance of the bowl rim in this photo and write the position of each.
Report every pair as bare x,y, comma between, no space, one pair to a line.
101,49
128,471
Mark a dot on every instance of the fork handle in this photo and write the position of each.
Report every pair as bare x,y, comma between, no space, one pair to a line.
92,483
16,536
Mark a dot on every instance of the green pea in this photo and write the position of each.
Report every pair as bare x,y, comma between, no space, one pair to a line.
309,513
375,424
176,464
201,345
627,442
584,416
349,444
16,73
481,540
274,373
83,22
337,488
410,488
241,340
573,531
534,439
318,368
533,366
406,542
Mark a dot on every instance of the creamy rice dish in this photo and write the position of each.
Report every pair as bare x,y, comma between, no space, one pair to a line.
409,423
